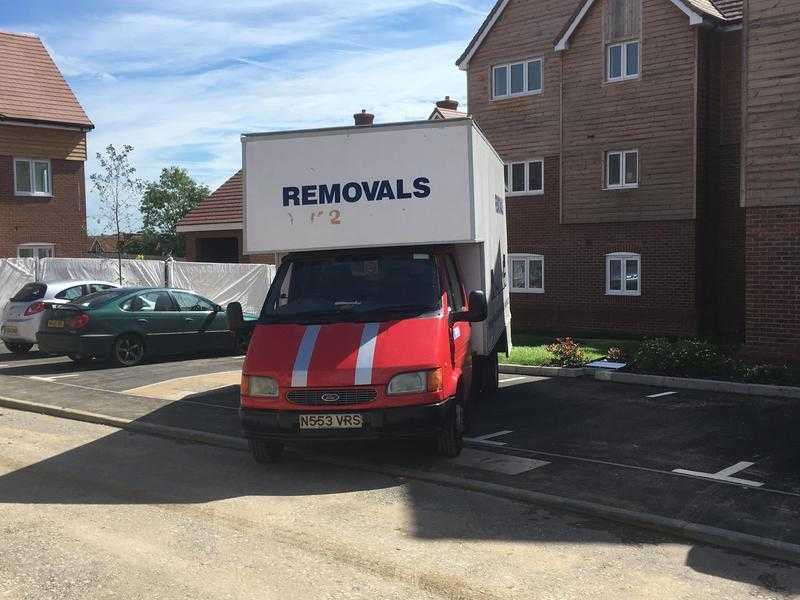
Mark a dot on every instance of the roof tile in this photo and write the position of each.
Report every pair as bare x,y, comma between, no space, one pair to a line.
31,86
224,205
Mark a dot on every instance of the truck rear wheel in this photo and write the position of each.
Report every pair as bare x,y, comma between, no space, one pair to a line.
266,452
488,376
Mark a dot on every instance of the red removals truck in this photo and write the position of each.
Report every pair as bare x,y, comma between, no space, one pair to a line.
391,302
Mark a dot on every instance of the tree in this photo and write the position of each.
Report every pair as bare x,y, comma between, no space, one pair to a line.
118,188
166,202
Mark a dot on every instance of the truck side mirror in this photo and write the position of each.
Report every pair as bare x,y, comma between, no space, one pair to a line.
235,316
477,309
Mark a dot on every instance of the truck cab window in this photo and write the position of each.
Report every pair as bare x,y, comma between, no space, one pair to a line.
454,293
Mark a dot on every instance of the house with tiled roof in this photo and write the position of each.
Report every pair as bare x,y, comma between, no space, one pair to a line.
42,152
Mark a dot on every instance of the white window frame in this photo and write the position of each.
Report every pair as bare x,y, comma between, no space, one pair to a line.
35,247
623,163
528,258
31,162
509,169
525,91
623,257
624,73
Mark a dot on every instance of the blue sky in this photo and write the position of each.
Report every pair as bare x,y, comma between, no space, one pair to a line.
180,80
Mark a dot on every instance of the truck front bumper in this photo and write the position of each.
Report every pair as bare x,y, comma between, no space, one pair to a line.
401,422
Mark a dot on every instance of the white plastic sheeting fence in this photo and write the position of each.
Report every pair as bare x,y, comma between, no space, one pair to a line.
219,282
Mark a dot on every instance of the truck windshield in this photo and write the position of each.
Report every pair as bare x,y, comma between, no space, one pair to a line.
353,288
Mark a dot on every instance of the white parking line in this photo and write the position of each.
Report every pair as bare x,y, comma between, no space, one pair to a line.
513,379
498,463
486,439
52,378
4,366
724,474
661,394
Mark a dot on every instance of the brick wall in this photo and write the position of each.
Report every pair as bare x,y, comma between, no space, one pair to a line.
773,281
575,298
59,220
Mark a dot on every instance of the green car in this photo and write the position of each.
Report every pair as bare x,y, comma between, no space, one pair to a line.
127,325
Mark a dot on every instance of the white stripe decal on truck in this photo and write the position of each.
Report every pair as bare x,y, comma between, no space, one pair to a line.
366,354
304,353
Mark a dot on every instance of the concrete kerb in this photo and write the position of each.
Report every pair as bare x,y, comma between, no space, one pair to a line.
710,385
724,538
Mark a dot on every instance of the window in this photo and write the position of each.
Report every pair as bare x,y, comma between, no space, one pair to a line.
455,297
35,251
623,61
32,177
190,303
149,302
622,169
517,79
527,273
623,273
525,177
72,293
99,287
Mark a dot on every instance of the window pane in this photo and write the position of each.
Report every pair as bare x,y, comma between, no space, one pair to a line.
505,175
534,76
632,275
518,274
25,252
535,176
632,59
615,275
631,167
45,252
536,274
614,62
518,177
501,81
614,169
517,78
41,179
22,175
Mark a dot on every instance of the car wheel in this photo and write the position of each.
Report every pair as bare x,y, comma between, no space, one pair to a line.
17,348
128,350
266,452
450,439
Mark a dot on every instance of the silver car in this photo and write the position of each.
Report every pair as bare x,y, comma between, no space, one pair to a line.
22,315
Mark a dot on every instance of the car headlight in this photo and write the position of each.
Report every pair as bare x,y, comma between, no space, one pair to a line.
261,387
416,382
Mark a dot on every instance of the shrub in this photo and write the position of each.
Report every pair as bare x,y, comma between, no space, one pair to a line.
616,354
566,353
683,358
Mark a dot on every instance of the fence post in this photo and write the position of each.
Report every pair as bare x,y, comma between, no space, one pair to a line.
168,271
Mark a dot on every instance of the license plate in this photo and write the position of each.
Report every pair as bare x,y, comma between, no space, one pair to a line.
9,330
343,421
55,323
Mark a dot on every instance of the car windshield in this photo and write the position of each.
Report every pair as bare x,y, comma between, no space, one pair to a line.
98,298
353,288
30,292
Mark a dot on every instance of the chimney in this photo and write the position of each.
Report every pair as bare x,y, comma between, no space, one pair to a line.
364,118
448,103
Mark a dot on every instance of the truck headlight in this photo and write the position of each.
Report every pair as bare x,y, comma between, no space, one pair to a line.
262,387
416,382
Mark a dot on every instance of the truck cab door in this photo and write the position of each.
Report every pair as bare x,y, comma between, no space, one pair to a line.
460,333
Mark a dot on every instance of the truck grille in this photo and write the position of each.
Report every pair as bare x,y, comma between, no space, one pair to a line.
332,397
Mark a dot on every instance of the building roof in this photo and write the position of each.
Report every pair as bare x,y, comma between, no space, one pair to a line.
222,207
32,88
718,10
446,113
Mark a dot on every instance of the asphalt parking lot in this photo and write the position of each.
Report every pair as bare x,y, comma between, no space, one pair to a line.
721,460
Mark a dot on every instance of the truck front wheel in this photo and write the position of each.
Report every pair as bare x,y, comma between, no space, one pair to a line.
450,440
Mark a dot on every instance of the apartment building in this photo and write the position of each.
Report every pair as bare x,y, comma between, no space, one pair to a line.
619,121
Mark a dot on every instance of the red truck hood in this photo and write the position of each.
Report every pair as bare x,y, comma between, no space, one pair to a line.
346,354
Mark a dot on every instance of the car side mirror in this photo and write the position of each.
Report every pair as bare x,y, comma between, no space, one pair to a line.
217,308
235,316
477,309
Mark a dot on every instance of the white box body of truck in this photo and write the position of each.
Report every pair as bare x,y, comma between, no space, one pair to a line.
424,183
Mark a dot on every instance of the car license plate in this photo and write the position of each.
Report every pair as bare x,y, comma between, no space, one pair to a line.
10,330
343,421
55,323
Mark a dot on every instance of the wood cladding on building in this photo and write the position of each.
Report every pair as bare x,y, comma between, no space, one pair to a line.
42,142
654,114
772,112
623,19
